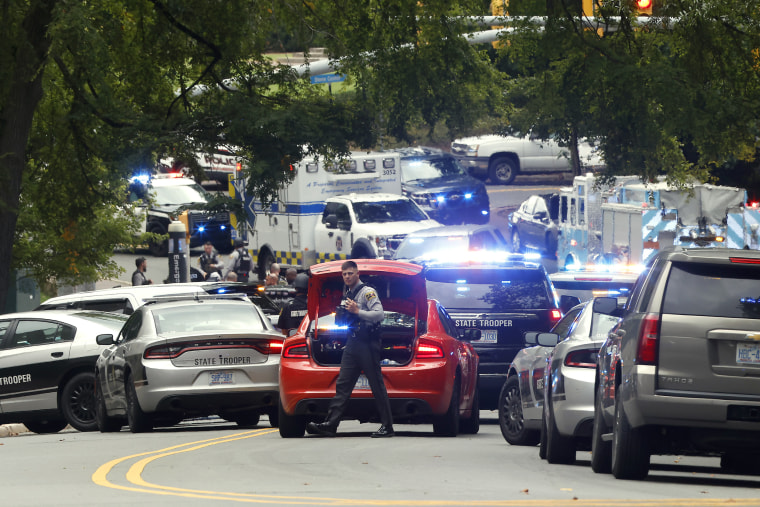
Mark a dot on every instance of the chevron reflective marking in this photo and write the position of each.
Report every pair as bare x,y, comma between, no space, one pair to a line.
742,228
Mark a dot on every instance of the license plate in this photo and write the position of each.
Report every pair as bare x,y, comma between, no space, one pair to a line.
488,336
362,383
220,377
748,353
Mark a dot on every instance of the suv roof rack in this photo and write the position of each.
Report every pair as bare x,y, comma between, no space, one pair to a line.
168,298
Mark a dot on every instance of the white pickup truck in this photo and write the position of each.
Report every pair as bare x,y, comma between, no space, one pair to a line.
501,158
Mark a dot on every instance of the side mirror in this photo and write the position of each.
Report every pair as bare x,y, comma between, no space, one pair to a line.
548,339
469,335
566,302
104,339
530,338
331,221
606,306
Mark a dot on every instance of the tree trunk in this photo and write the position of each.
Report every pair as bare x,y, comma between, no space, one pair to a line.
30,45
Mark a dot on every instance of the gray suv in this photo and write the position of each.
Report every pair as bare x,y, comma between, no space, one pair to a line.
680,373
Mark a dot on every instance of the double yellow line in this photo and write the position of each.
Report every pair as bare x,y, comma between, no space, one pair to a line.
135,471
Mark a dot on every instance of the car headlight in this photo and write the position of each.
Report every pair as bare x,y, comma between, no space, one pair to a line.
472,151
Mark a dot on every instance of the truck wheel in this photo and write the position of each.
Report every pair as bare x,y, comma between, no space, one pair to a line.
502,170
290,426
50,426
138,421
264,262
106,424
601,451
630,453
447,425
472,425
361,252
78,402
559,449
511,419
516,245
158,248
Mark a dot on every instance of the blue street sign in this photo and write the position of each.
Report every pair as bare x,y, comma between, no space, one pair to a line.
327,78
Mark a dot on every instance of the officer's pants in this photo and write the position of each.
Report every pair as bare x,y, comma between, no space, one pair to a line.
360,355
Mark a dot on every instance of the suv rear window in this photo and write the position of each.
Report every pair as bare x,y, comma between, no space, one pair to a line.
489,289
713,290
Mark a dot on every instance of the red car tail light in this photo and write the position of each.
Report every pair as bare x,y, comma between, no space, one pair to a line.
297,350
555,316
646,351
582,358
427,349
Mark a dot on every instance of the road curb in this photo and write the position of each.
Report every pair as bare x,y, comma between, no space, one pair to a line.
11,430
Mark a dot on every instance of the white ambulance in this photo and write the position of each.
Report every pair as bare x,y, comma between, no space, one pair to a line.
332,210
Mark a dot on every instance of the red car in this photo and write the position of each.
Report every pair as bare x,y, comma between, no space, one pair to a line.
430,369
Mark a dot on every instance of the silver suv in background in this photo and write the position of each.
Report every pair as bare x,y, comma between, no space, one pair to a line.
680,373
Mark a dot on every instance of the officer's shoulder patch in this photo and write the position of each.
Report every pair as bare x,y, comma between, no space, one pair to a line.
370,295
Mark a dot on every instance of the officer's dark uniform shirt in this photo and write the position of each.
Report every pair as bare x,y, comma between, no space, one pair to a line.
293,312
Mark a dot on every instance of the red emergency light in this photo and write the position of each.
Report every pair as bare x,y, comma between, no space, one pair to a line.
643,4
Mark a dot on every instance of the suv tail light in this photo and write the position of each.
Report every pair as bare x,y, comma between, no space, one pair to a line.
555,316
646,351
428,349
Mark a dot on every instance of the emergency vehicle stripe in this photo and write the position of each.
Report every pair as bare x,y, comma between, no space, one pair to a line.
742,228
307,208
652,225
324,257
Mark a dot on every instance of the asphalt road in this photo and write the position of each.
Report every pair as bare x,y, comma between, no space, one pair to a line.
212,462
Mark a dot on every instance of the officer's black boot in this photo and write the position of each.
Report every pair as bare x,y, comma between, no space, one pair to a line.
324,428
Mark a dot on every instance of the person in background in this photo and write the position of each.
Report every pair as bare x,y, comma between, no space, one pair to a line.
138,277
290,276
274,269
294,310
240,261
231,277
209,261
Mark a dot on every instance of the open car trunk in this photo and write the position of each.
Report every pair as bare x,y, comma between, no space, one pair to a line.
404,318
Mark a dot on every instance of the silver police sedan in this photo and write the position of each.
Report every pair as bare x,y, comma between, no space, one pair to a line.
189,357
550,388
46,367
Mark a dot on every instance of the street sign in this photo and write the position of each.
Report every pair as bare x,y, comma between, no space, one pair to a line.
328,78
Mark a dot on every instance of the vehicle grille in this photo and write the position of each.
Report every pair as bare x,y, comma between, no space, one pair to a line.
395,240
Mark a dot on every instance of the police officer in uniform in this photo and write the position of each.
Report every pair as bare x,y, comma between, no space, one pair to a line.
362,354
294,310
240,261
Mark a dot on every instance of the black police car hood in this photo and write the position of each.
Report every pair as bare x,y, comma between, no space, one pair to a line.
444,184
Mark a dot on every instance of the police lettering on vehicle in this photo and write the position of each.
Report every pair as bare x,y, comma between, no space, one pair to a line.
298,313
15,379
222,361
483,323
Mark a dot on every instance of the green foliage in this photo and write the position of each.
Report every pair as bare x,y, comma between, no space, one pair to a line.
678,98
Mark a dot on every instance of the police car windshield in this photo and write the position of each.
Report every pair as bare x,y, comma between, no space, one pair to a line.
181,194
388,211
212,317
420,169
417,247
488,289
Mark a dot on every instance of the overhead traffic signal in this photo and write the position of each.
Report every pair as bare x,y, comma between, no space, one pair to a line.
644,7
